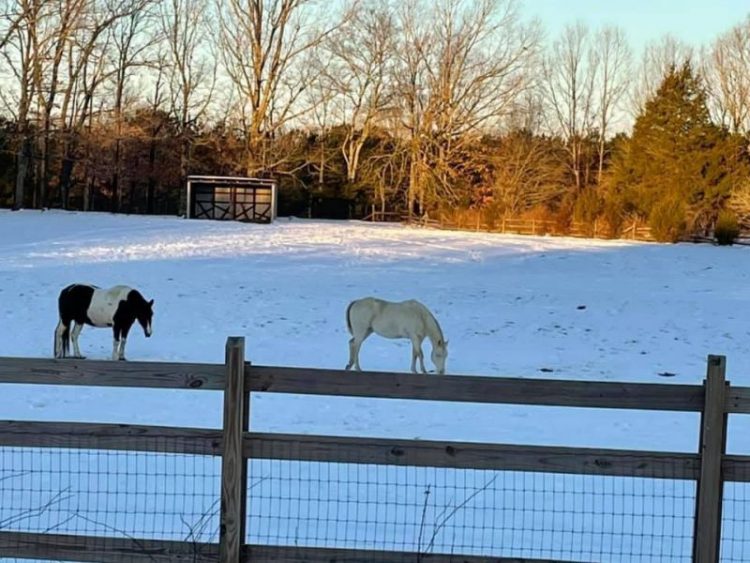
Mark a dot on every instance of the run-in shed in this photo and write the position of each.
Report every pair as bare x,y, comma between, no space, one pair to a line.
232,198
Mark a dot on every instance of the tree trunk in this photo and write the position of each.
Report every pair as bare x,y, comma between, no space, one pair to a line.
87,191
412,188
131,196
115,203
23,158
44,167
321,171
66,173
255,151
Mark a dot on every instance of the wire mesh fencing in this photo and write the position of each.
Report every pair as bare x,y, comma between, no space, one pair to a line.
110,493
735,519
115,488
429,510
350,506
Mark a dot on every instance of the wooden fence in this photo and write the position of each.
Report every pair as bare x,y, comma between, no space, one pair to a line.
708,466
519,226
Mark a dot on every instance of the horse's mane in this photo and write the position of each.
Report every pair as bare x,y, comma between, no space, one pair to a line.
435,324
135,295
136,298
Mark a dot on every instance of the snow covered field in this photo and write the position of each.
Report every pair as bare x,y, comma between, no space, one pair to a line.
509,305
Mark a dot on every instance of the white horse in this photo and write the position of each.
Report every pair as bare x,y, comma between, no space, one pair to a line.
407,319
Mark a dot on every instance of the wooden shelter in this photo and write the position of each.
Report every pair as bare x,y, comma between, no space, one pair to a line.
232,198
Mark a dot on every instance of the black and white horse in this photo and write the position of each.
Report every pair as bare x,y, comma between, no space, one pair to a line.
117,307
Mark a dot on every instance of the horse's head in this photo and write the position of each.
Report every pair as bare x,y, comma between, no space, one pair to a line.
439,355
145,315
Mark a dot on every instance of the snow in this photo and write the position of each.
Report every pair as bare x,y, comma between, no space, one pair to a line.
520,306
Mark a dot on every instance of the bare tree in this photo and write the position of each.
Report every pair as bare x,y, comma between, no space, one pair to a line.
658,57
184,25
89,66
319,122
130,45
462,67
528,172
385,169
63,26
727,69
414,45
528,113
86,65
612,83
13,17
23,53
570,73
263,45
356,68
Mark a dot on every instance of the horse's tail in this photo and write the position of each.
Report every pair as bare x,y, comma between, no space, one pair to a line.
348,317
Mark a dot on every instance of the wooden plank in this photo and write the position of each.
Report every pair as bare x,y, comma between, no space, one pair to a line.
233,464
383,451
167,375
549,392
128,437
159,375
736,468
102,549
738,400
380,451
707,534
288,554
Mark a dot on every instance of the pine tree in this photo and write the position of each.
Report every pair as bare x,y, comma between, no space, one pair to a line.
678,167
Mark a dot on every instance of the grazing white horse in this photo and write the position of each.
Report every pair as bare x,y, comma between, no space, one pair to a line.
406,319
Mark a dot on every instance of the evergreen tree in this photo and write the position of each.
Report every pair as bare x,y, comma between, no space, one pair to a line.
678,167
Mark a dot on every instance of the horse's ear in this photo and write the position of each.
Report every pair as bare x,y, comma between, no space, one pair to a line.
151,303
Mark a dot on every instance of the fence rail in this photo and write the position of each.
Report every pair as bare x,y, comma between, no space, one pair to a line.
344,449
384,385
518,225
635,230
236,444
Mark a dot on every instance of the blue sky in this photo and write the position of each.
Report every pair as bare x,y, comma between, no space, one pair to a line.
694,21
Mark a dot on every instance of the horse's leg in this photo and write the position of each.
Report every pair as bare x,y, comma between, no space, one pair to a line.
421,356
116,341
351,353
416,353
354,345
123,340
59,338
77,328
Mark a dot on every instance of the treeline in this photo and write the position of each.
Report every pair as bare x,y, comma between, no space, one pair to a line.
448,109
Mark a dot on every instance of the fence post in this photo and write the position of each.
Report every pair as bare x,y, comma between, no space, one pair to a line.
713,438
233,464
